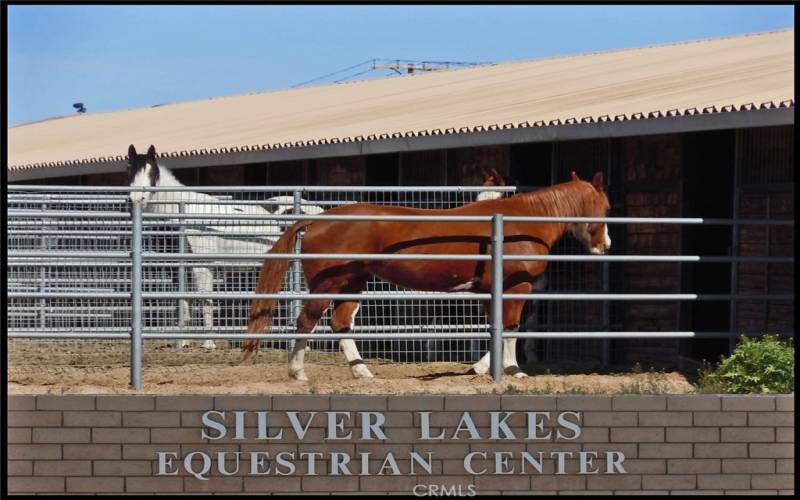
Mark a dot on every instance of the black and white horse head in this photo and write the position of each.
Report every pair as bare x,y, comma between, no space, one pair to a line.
143,171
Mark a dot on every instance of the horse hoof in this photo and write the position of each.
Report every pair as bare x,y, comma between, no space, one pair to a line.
515,372
361,371
299,376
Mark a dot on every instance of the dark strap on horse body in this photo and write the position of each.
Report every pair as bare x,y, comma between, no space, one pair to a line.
480,266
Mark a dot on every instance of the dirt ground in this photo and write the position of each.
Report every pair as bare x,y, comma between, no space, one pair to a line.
102,368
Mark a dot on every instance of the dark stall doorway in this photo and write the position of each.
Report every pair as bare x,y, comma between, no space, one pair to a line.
531,165
383,169
707,192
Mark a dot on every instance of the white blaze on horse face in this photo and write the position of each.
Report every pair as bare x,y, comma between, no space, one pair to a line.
141,179
580,231
605,246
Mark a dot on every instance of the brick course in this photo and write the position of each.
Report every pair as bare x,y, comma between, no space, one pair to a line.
686,444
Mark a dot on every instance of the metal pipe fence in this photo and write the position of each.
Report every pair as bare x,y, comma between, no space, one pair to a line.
128,228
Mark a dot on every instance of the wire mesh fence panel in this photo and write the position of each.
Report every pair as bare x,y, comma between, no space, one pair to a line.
37,226
83,240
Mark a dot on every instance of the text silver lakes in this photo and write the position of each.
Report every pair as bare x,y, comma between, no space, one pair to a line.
270,427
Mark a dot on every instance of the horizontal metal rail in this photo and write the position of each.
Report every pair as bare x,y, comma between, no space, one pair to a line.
233,201
405,296
54,214
66,233
372,336
121,264
277,329
68,295
260,189
622,335
260,336
646,296
476,218
203,257
250,296
410,218
54,254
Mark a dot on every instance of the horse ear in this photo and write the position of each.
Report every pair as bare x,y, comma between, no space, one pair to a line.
151,155
574,176
131,153
498,179
597,181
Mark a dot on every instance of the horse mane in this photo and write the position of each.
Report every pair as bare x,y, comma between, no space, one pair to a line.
568,199
167,178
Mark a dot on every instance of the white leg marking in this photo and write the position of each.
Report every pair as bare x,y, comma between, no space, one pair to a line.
296,359
308,344
204,282
350,351
208,318
510,358
186,319
482,366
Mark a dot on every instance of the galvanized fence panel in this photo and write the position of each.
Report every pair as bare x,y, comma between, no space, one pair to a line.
84,239
207,235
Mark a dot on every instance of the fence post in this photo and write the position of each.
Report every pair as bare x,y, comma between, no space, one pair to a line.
45,246
136,297
183,304
295,279
496,316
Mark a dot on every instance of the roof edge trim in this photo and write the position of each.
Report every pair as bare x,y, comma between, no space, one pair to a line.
757,116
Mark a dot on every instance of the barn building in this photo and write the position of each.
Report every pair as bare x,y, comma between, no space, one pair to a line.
696,129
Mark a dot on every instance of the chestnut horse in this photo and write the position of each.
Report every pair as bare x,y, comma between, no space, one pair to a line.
575,198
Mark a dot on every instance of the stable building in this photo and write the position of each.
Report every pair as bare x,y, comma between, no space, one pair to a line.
695,129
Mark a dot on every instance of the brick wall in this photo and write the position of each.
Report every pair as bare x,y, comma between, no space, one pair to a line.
651,180
672,444
766,191
760,241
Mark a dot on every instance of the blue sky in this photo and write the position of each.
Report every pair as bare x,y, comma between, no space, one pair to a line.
117,57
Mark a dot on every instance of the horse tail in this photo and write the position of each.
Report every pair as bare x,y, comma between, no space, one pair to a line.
269,281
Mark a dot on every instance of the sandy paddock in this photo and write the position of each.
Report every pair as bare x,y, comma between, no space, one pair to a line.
98,368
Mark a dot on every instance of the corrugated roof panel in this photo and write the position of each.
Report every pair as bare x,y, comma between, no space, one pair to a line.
669,80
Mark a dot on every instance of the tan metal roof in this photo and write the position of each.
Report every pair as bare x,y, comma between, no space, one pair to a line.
724,74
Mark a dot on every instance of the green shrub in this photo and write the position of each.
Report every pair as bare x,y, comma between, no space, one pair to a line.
755,366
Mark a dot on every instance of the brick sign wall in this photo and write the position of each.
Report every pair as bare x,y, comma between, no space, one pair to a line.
661,444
